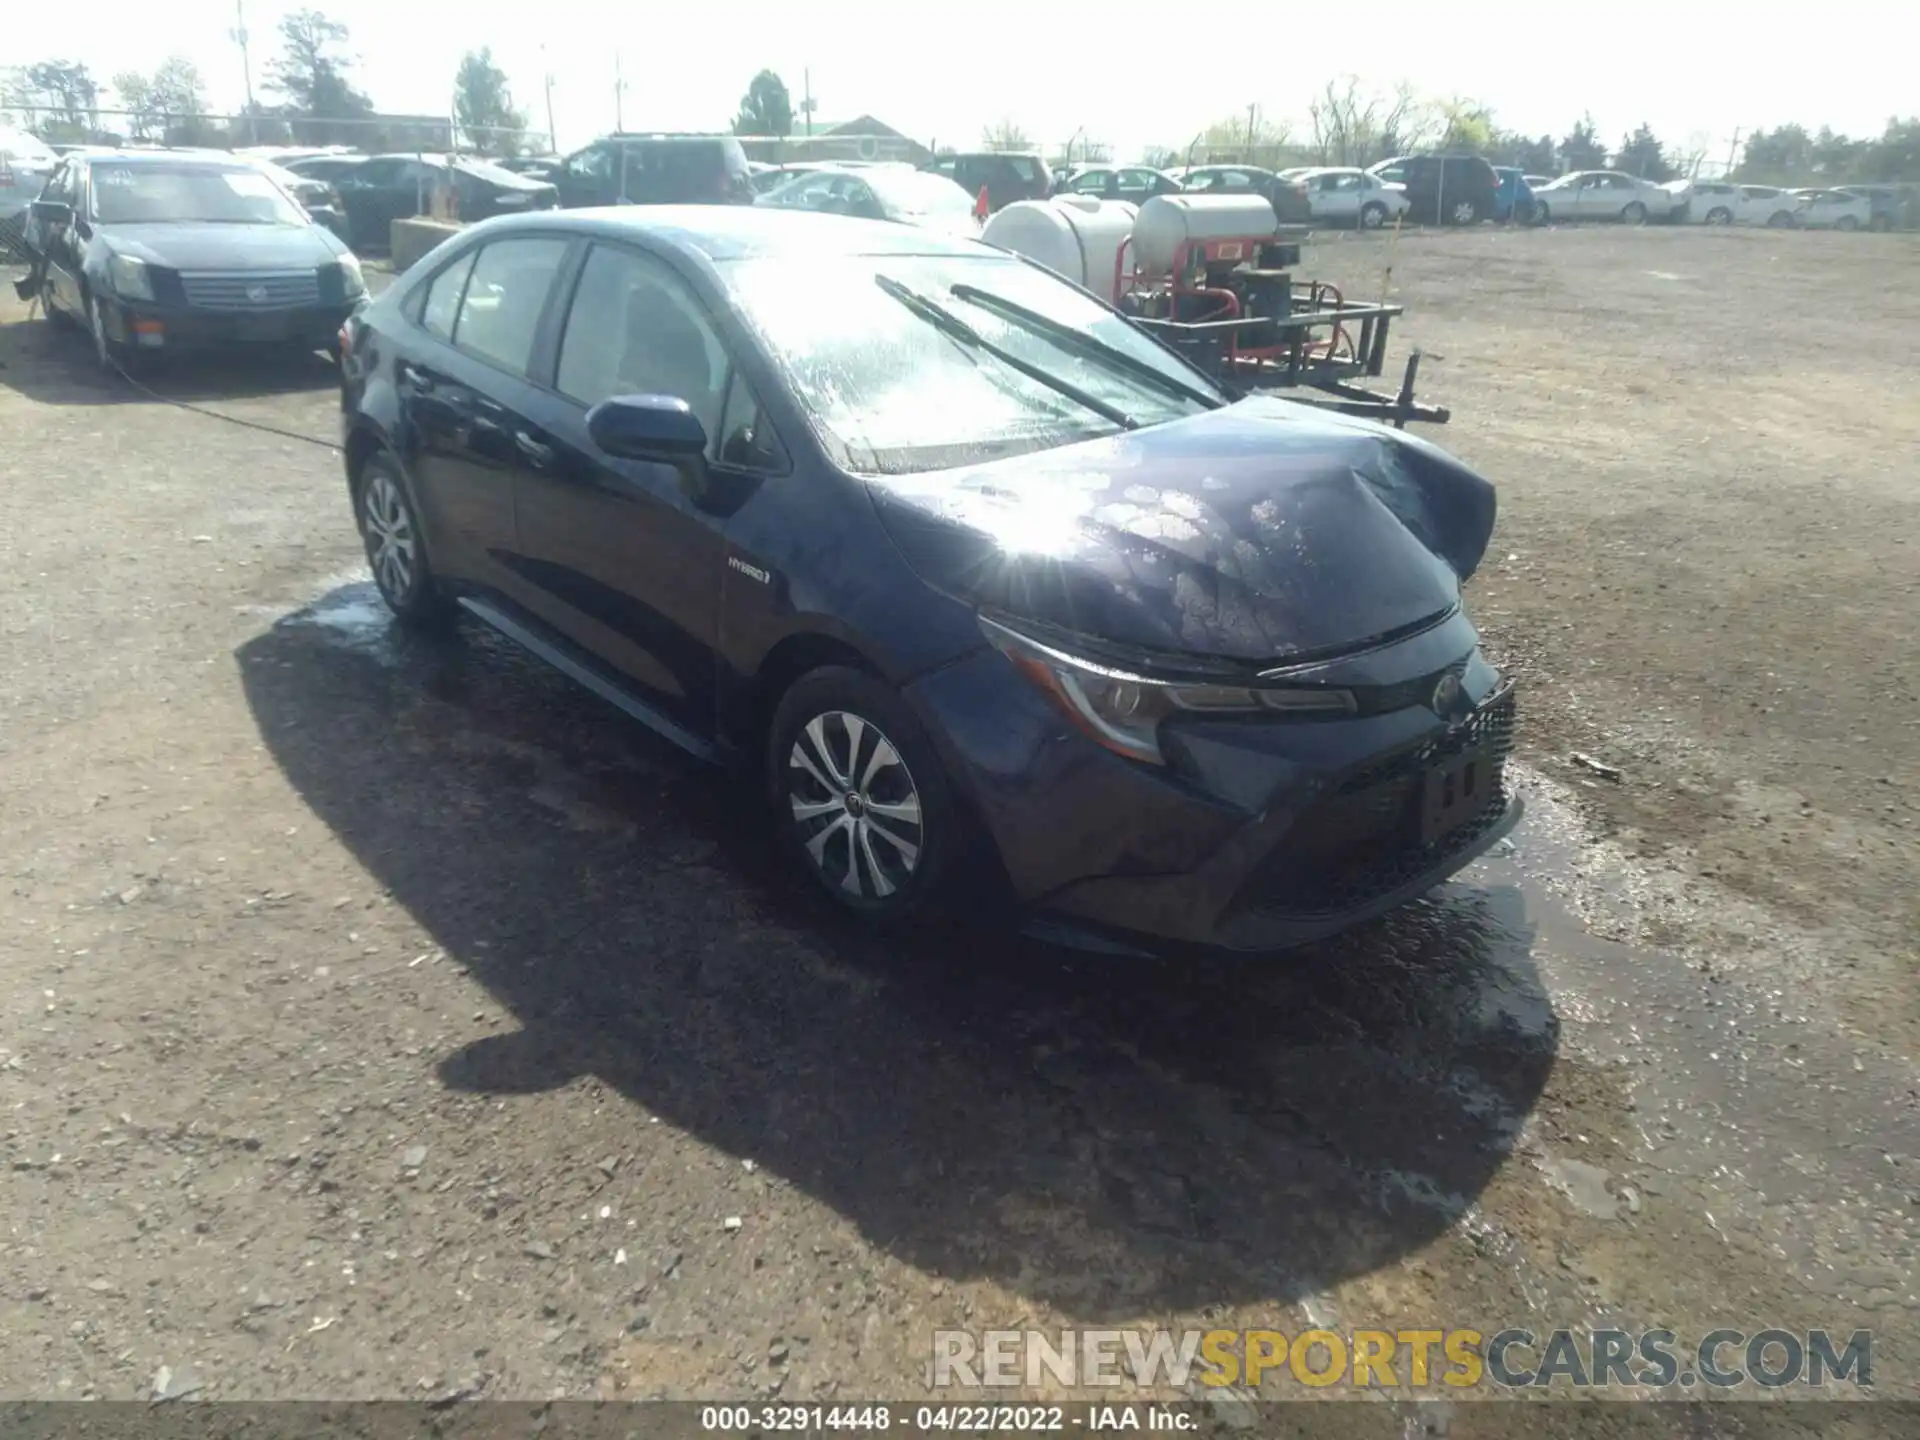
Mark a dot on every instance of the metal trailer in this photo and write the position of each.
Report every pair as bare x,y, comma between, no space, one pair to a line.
1232,307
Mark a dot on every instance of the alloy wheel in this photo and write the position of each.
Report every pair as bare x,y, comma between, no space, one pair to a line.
1463,213
97,323
1372,217
391,542
855,805
1719,215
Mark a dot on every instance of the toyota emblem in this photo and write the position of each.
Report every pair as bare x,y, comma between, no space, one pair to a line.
257,294
1450,700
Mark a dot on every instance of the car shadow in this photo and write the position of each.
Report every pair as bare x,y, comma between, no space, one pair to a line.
1107,1136
52,362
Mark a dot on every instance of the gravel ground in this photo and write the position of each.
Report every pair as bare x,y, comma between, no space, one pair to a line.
389,1021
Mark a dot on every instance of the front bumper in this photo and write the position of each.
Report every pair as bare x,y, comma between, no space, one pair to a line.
140,325
1259,836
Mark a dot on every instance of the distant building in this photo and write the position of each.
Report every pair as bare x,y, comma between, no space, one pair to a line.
864,138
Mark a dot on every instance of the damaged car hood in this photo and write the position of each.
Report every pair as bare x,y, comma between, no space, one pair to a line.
1264,531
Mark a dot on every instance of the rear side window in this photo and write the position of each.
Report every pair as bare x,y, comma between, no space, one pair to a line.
506,293
1025,167
442,304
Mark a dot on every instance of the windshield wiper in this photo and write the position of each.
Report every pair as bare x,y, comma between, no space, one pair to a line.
1074,339
948,323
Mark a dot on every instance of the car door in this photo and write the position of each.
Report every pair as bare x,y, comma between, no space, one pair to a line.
61,243
464,391
1339,197
627,558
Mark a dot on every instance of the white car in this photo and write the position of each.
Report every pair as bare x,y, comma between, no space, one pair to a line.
1351,197
25,164
1769,205
1602,195
1835,210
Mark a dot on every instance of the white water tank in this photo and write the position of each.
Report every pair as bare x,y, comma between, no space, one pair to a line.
1076,236
1169,221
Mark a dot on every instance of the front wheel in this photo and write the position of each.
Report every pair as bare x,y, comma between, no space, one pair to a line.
1780,220
1719,215
396,548
107,353
1372,215
1846,222
1634,214
861,798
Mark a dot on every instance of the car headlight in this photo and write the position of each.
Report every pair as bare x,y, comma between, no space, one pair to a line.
1123,711
129,277
352,276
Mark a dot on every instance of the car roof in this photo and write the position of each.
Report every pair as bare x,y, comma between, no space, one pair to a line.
212,160
741,232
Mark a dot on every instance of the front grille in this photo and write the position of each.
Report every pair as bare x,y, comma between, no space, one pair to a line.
251,290
1361,839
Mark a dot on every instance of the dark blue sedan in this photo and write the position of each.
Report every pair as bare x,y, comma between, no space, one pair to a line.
1001,596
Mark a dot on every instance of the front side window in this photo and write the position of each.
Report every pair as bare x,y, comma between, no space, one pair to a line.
505,295
633,329
592,163
898,394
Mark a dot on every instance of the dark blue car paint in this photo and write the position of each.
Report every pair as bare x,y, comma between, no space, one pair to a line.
1263,534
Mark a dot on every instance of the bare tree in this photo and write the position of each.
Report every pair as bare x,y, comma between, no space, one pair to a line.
1352,126
1005,136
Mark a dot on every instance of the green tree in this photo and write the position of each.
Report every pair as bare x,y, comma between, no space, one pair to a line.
66,89
1781,154
166,105
766,108
1642,154
1535,155
483,106
311,73
1581,149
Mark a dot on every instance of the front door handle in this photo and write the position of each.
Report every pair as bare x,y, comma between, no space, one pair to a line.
416,380
533,449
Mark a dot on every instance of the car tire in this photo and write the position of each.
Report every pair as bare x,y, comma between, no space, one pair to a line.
861,800
1719,215
1780,220
396,547
1634,214
107,354
1464,212
1846,222
1542,213
1373,215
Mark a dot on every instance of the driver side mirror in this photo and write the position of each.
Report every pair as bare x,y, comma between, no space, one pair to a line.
659,428
53,212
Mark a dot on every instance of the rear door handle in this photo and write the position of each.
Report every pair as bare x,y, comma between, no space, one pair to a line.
533,449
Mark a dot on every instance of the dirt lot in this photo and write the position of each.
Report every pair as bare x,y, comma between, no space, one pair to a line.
396,1021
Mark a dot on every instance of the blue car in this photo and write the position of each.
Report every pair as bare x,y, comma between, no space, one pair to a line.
995,595
1513,202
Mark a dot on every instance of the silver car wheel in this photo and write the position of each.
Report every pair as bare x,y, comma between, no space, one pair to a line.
1463,213
855,804
97,323
390,538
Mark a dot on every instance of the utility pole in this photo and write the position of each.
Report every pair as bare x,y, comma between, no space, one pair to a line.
1733,150
553,140
239,36
1252,110
806,101
619,95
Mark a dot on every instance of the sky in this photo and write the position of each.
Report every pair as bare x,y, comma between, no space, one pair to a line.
1697,71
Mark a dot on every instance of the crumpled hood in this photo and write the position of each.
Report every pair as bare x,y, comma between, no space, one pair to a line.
187,245
1264,531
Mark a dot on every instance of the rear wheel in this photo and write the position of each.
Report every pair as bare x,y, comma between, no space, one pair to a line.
1634,214
1372,215
1542,212
1719,215
1463,212
861,798
1780,220
396,548
1846,222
